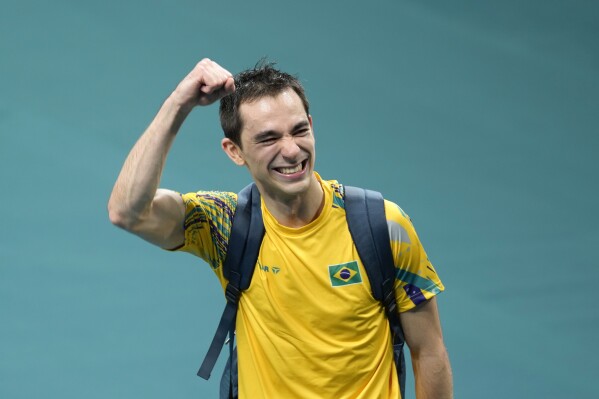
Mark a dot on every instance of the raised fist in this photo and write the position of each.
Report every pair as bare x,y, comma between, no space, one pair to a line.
205,84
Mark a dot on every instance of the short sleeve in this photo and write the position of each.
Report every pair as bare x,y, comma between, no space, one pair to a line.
208,218
416,279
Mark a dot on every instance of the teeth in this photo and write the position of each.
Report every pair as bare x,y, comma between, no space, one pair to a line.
289,171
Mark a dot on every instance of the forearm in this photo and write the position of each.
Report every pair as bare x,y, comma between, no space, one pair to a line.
432,374
136,204
140,175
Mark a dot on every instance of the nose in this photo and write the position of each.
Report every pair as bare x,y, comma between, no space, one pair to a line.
289,148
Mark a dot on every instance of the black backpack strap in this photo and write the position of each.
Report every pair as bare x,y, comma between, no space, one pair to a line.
365,213
243,247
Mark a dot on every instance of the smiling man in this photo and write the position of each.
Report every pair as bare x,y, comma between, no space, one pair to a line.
308,326
277,146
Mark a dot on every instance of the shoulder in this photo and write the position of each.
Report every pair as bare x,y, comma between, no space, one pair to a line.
399,223
201,206
395,213
207,226
219,199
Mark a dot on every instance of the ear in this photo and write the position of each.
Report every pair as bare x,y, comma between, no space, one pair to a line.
233,151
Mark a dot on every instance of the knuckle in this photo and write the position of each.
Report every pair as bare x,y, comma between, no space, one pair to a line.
203,63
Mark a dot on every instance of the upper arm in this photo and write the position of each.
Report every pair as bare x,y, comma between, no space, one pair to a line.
430,362
422,329
163,224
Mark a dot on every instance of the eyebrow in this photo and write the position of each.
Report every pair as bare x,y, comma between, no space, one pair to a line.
270,133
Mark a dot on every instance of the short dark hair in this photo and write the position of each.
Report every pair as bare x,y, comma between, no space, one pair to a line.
252,84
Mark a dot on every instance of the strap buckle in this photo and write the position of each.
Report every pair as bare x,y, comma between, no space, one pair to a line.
232,293
389,300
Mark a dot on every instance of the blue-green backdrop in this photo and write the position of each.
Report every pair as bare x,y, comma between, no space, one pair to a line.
478,118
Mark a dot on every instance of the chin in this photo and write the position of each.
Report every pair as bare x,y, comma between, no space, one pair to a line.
289,189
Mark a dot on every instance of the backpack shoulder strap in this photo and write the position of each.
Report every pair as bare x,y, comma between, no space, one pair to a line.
365,213
245,239
243,247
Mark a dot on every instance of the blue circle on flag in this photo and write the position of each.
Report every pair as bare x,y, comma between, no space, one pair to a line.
345,274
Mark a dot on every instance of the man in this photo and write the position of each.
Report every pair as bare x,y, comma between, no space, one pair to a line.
302,331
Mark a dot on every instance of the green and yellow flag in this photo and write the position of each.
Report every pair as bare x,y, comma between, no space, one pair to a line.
345,274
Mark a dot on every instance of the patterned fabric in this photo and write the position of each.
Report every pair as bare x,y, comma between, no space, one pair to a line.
308,326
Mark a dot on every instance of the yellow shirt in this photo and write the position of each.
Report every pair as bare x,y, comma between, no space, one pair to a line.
308,326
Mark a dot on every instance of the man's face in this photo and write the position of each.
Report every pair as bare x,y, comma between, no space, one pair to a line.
278,145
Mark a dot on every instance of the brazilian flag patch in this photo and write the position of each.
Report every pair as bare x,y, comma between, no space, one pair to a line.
345,274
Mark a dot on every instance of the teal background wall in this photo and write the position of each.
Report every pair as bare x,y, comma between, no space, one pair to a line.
478,118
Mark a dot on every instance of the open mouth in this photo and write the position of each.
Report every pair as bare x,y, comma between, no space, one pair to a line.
288,171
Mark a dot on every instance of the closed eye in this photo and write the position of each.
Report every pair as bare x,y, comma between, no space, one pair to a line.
268,137
301,129
301,132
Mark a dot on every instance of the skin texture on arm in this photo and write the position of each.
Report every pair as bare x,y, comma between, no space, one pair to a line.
432,371
136,203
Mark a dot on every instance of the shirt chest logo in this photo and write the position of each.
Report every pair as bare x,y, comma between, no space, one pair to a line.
345,274
267,269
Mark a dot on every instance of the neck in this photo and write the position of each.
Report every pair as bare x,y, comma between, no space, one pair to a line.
299,210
